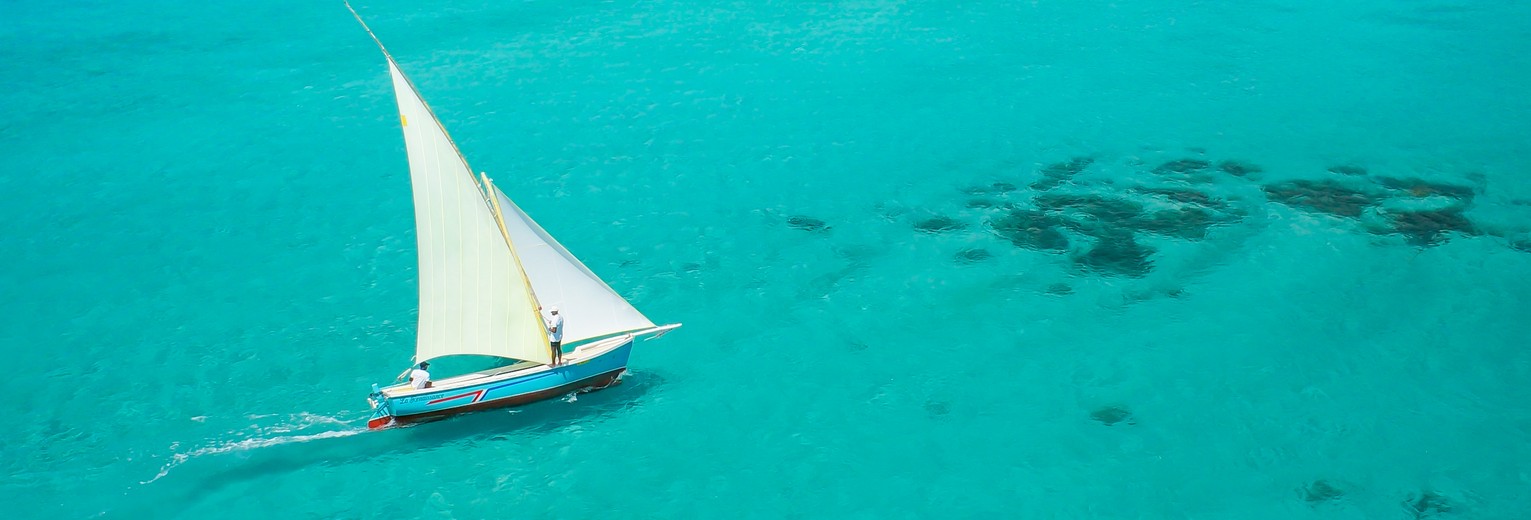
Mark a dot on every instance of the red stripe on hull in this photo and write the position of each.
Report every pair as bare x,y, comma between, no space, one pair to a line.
595,382
476,395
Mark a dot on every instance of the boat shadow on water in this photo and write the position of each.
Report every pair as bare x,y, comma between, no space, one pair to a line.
248,462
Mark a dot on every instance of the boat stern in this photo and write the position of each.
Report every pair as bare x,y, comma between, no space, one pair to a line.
382,409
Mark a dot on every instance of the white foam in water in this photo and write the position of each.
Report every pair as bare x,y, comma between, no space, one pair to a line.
268,437
304,420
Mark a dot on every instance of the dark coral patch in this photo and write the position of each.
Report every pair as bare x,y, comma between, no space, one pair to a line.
806,223
1060,289
1067,169
995,188
1047,184
1031,229
937,408
1321,491
1428,227
1325,196
1427,504
1523,246
1185,195
973,255
1105,209
1111,415
1117,254
1059,173
1238,169
1421,188
1182,166
1348,169
1188,222
939,224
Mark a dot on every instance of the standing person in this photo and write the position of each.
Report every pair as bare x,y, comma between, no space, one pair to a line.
555,335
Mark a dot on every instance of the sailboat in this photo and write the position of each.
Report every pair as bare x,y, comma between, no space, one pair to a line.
486,269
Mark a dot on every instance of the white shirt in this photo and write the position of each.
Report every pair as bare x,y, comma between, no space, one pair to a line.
418,378
555,328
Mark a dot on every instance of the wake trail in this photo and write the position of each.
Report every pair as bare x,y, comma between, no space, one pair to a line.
278,435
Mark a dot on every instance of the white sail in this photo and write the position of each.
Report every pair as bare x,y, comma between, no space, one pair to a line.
590,308
474,298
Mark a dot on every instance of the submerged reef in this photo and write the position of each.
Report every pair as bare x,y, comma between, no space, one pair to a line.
1321,491
1348,169
937,408
1182,166
806,223
1109,225
1238,168
973,255
1428,227
1117,254
1111,415
1115,226
1100,208
1194,170
1421,188
1184,195
939,224
1189,222
1059,173
1060,289
1421,227
1031,229
1323,196
993,188
1427,504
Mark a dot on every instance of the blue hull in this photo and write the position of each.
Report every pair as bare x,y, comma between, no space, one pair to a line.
483,391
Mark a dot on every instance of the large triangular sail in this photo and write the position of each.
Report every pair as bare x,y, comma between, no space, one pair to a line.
483,273
590,308
474,297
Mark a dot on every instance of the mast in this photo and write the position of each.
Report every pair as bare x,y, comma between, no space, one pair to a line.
499,218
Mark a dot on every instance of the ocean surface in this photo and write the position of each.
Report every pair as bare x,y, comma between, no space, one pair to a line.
934,259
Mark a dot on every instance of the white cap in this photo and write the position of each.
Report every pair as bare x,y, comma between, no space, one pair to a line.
553,309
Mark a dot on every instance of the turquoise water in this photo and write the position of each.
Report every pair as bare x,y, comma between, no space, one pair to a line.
209,257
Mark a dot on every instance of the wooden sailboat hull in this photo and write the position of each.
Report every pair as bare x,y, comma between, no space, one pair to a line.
592,367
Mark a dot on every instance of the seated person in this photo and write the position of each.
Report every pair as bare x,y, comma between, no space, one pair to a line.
419,378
